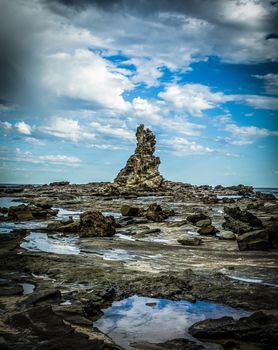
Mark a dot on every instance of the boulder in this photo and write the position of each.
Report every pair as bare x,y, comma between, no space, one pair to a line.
94,224
265,196
156,213
193,219
207,230
260,329
127,210
59,183
240,221
203,223
43,203
141,170
226,235
190,241
254,240
243,215
20,212
63,226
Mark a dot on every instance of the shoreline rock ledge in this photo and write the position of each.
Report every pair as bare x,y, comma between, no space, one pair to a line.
141,170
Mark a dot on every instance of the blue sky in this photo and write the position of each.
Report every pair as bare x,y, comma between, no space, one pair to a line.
78,77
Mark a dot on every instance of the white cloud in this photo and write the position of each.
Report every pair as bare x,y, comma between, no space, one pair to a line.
6,125
34,141
87,76
60,159
23,128
20,155
257,101
246,135
181,146
270,82
193,98
66,128
107,146
110,130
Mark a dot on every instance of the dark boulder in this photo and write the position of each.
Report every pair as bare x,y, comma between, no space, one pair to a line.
20,212
193,219
261,329
94,224
156,213
207,230
190,241
127,210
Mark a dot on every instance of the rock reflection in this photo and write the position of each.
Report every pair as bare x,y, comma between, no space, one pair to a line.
157,320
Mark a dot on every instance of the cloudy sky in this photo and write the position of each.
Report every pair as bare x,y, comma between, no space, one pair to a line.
78,76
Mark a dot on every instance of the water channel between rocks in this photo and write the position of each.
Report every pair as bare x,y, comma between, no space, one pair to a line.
143,319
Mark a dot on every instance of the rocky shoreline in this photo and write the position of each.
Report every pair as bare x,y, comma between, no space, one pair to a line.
70,251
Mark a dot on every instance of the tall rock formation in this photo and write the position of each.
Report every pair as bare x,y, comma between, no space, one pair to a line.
141,170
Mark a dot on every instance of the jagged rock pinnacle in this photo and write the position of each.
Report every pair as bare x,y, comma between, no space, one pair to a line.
141,170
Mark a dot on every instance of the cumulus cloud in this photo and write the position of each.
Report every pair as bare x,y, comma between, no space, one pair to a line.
36,33
68,129
23,128
20,155
60,159
6,125
34,141
182,146
270,82
245,135
193,98
86,76
110,130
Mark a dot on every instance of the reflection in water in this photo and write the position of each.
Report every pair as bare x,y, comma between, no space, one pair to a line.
230,196
28,288
7,226
119,254
58,244
8,202
65,213
157,320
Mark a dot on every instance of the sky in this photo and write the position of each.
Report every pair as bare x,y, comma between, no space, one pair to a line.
77,77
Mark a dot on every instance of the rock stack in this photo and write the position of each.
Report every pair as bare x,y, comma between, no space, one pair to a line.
141,170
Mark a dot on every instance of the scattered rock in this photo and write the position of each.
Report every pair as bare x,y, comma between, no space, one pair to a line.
207,230
141,170
63,226
45,330
94,224
226,235
176,344
127,210
20,213
193,219
259,329
265,196
59,183
191,241
254,240
156,213
203,223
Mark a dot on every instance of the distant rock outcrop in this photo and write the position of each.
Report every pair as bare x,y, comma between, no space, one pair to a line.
141,170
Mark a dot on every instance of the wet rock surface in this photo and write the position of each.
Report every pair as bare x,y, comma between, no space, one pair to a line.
131,253
260,329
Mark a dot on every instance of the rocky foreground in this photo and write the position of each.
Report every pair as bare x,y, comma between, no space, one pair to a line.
140,235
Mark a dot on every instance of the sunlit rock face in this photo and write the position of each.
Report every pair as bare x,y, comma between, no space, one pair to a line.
141,170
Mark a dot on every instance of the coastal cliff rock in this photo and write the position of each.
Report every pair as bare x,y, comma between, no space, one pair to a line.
141,170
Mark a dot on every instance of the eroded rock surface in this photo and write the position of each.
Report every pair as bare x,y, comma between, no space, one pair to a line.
141,170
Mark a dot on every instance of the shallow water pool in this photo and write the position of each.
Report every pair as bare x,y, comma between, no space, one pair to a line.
58,244
138,319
